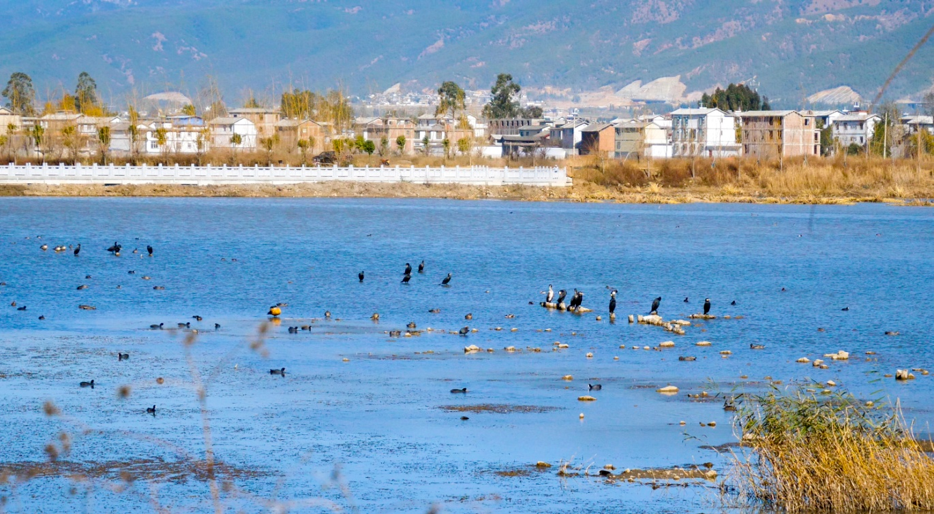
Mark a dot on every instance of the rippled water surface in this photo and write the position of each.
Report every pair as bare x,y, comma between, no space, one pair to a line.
380,421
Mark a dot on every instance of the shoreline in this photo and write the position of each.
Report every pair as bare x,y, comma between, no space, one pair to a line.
586,192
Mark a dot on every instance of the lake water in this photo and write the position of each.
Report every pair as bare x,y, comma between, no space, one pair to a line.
372,432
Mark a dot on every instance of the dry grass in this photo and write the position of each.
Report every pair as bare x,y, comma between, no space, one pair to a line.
830,454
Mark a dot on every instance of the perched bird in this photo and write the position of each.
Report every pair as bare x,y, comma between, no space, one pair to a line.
421,267
277,372
87,384
655,304
464,331
561,294
613,301
459,391
550,295
123,356
77,249
151,410
446,280
408,269
706,306
406,278
360,276
594,387
149,249
115,249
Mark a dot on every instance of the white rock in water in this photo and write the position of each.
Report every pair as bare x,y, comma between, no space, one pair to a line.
667,344
668,389
703,343
471,349
803,360
817,363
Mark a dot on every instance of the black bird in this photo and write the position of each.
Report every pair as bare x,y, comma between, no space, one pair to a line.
594,387
561,294
360,276
655,304
706,306
157,327
613,301
686,300
446,280
464,331
421,267
77,249
277,372
327,314
87,384
406,278
550,295
184,325
22,308
579,300
217,326
149,249
408,269
845,309
733,302
115,249
459,391
123,356
197,318
151,410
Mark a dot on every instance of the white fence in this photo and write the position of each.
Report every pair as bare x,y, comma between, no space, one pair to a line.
210,175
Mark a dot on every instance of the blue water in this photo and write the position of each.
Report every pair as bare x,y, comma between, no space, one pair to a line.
377,416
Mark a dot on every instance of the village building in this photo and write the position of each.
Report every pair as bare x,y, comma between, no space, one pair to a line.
703,133
223,130
774,134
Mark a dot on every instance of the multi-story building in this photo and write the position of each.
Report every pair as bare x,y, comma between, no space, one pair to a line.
223,130
854,128
376,129
598,139
263,119
703,133
8,119
638,139
290,132
774,134
174,135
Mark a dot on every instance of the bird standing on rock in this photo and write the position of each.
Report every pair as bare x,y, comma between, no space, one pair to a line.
360,276
561,294
464,331
77,249
613,301
149,249
655,304
706,306
115,249
550,295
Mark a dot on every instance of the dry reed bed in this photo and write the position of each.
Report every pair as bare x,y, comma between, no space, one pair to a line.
829,454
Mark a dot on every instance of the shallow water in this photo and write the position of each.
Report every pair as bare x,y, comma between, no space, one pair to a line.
379,417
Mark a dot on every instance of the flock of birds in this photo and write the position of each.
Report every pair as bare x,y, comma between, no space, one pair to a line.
578,298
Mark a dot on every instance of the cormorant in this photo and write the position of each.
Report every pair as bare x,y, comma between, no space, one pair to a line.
408,269
421,267
733,302
406,278
686,300
123,356
217,326
197,318
706,305
149,249
613,301
157,327
446,280
360,276
550,295
459,391
77,249
87,384
277,372
655,304
561,294
115,249
151,410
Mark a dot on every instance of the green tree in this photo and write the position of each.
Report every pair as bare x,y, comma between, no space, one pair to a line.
426,145
369,147
299,104
20,94
235,141
162,137
86,99
826,138
359,143
383,146
189,110
451,99
4,142
884,133
503,103
303,148
446,144
532,112
268,143
70,140
463,145
736,97
38,136
400,144
103,141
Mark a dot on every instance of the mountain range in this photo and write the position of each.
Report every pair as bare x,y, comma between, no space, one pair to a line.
789,49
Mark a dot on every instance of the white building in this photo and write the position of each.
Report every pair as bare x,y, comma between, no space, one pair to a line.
182,135
854,128
223,130
703,133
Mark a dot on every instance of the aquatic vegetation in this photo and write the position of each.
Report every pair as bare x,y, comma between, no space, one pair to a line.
832,453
